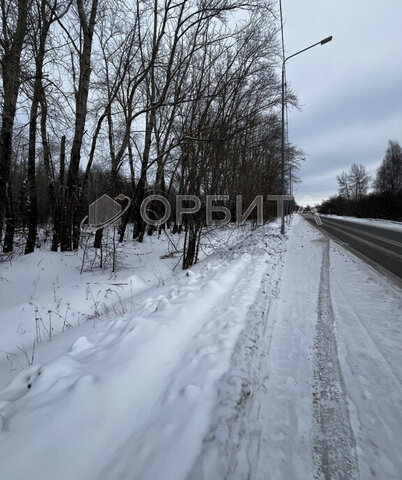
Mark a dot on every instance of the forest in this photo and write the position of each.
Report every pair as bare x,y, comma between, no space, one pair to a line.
136,98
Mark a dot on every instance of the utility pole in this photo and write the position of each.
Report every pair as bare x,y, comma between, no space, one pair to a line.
283,193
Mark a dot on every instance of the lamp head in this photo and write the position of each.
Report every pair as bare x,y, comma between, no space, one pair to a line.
326,40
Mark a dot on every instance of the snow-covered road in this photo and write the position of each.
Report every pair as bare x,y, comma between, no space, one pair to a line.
280,359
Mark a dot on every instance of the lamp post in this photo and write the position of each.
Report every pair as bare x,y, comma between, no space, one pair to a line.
322,42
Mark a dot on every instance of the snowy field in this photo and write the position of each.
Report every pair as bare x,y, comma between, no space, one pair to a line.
44,294
273,358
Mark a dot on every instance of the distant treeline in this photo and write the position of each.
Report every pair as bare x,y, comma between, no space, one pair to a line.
385,201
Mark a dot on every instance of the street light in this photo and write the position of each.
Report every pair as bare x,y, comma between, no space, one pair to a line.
322,42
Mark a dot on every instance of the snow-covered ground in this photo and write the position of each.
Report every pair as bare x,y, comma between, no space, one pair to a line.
272,358
373,222
43,294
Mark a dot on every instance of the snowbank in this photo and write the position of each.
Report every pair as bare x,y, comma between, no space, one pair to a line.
373,222
132,398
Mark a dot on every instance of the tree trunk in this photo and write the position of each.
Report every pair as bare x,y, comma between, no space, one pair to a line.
32,207
71,232
38,95
139,228
49,173
10,66
98,238
61,226
123,226
191,244
10,225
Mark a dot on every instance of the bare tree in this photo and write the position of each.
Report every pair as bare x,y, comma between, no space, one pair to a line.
43,14
389,174
13,31
353,185
344,189
87,19
359,181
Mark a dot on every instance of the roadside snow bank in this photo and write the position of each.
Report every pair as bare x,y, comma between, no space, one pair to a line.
45,293
372,222
132,399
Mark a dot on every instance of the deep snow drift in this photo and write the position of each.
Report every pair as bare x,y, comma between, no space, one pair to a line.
272,358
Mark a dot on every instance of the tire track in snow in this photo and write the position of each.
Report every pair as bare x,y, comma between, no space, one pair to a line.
370,370
378,348
334,445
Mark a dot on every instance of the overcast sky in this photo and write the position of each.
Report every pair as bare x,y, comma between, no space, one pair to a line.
350,89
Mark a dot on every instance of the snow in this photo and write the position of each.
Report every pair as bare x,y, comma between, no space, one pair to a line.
45,292
270,389
146,379
373,222
274,357
45,285
368,313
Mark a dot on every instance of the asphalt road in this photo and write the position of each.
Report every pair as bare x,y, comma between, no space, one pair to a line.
378,245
